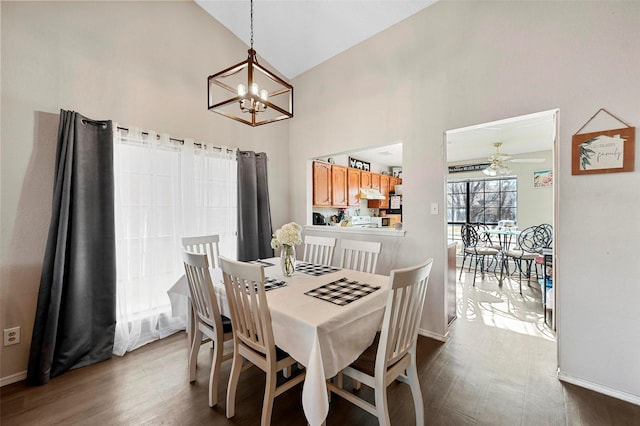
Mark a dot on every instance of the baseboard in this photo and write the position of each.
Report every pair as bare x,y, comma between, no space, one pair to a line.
624,396
13,378
432,335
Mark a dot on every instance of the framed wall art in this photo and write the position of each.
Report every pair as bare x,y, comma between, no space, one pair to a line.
543,178
606,151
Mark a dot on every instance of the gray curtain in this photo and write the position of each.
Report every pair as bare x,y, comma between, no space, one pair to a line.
254,213
75,315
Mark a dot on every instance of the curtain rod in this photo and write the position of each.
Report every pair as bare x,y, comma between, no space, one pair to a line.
180,141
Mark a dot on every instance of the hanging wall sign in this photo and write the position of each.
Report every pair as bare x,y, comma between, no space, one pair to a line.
607,151
359,164
468,167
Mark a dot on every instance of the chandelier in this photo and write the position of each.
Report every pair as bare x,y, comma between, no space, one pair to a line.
249,93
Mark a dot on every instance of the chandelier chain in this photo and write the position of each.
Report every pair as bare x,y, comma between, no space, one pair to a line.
251,24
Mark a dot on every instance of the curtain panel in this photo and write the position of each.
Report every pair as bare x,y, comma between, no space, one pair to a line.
165,189
75,315
254,211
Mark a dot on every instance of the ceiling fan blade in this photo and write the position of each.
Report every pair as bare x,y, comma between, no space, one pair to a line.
527,160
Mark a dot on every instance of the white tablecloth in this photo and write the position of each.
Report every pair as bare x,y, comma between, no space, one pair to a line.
320,335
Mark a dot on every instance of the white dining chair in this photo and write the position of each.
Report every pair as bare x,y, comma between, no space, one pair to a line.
360,255
204,244
208,321
319,250
253,334
393,352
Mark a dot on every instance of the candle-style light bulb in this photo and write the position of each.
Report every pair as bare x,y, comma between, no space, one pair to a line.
242,90
264,94
254,88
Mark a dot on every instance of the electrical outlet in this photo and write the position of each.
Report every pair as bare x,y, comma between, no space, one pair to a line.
434,208
11,336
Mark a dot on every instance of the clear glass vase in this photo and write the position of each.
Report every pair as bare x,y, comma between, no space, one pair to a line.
288,260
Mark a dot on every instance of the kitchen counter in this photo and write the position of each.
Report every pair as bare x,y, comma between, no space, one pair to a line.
387,231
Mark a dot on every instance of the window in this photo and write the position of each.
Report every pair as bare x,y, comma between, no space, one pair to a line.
480,201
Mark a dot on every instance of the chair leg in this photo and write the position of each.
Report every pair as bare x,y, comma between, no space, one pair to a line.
414,384
196,339
382,408
215,371
464,257
269,394
234,377
475,271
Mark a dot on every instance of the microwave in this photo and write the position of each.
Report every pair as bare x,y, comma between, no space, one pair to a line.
381,221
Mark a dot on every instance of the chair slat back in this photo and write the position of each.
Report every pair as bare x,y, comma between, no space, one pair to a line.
319,250
360,255
250,317
402,314
205,244
203,298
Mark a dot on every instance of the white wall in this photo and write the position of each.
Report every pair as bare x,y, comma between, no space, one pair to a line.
457,64
138,63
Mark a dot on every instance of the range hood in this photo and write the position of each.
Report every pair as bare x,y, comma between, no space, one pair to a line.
371,194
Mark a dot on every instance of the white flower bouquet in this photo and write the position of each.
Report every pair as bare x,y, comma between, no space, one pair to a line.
289,235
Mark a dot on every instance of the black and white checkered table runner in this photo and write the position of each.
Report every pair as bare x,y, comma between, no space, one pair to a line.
315,270
272,283
342,291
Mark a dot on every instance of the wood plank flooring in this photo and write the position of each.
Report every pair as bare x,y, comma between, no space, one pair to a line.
484,375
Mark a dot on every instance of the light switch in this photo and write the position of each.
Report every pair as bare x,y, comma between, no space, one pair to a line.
434,208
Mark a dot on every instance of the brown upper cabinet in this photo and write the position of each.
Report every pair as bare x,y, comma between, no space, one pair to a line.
321,184
339,193
339,186
384,190
365,179
353,185
375,181
393,181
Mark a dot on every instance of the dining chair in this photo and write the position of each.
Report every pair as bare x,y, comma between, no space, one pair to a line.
253,334
360,255
485,237
319,250
393,352
474,249
208,320
205,244
528,248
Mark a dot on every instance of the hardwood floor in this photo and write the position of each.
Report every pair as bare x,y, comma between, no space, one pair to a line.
484,375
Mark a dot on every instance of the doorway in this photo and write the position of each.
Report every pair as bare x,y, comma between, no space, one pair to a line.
500,178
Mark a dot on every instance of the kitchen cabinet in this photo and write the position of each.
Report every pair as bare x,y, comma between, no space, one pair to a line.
375,181
384,189
339,192
322,184
365,179
393,181
353,186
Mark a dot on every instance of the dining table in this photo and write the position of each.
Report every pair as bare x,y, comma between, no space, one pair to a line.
323,335
505,238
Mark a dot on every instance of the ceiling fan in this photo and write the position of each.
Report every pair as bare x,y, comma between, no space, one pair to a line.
498,162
